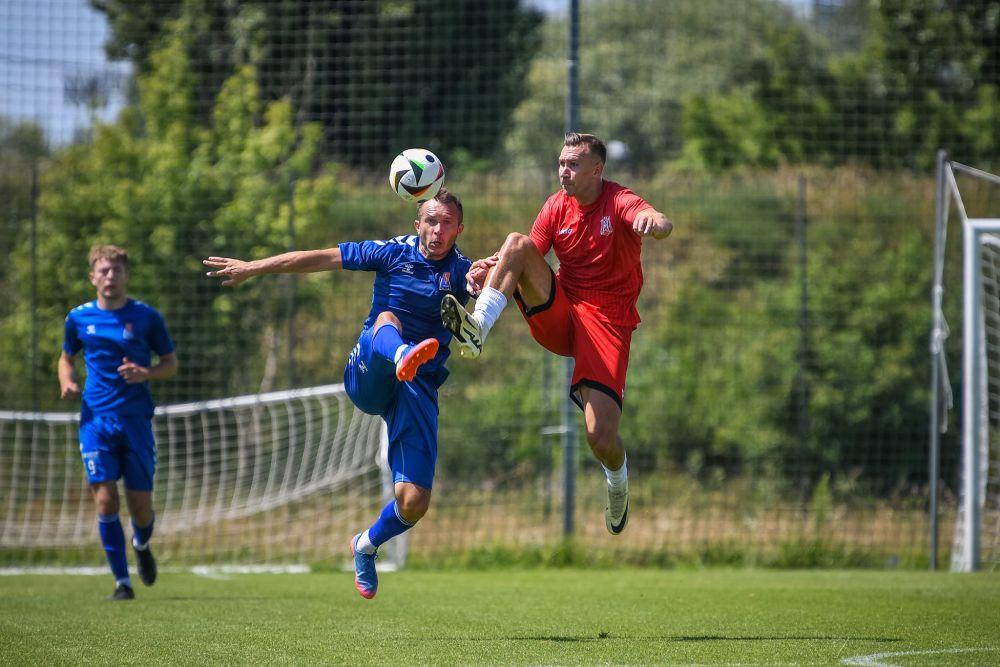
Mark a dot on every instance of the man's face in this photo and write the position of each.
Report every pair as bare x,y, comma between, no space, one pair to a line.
110,278
579,170
437,227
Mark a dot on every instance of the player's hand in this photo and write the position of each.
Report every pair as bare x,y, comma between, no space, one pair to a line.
644,223
475,279
651,222
69,391
234,271
132,372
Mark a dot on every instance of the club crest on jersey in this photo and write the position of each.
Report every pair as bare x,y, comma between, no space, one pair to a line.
606,225
91,330
127,333
444,282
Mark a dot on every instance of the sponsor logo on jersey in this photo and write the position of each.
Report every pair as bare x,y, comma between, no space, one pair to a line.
362,367
408,269
91,330
606,225
444,282
564,231
127,333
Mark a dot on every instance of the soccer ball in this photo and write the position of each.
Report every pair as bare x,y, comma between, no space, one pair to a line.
416,175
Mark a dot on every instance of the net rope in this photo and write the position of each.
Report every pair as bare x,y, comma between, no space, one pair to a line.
283,476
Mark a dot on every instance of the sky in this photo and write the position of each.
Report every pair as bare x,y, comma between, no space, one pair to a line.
42,42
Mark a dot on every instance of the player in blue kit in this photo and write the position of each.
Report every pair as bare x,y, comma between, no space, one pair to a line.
396,367
119,337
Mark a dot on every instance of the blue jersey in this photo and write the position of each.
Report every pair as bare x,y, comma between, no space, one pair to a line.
107,337
411,287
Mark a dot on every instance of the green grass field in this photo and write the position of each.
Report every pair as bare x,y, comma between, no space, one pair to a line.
545,616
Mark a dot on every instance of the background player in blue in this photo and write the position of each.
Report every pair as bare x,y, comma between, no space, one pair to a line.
118,336
398,363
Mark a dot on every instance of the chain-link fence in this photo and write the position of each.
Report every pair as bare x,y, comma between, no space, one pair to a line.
776,409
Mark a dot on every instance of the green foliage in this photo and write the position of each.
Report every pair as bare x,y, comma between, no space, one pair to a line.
639,61
413,69
159,183
923,78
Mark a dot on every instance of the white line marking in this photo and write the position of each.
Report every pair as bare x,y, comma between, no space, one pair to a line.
875,659
218,571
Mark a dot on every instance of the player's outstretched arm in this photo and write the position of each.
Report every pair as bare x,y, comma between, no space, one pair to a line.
235,271
651,222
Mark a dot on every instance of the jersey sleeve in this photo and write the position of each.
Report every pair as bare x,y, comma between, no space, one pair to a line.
71,342
367,255
541,231
628,204
159,338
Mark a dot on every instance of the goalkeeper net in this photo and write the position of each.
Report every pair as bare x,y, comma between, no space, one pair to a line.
277,478
987,462
977,523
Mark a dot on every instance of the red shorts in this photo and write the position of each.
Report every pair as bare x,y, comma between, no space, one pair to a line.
599,348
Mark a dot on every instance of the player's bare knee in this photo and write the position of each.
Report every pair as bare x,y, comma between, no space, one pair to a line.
603,441
516,245
412,509
105,500
387,317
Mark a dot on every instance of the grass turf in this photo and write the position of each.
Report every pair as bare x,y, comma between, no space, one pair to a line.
562,616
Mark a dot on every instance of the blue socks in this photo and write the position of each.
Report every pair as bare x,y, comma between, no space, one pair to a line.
387,341
388,526
141,536
113,539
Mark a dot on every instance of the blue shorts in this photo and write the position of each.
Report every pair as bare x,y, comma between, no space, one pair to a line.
410,411
113,447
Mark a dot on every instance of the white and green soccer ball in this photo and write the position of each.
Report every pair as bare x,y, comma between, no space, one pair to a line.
416,175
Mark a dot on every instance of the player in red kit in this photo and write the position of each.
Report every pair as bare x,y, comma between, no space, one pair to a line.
586,311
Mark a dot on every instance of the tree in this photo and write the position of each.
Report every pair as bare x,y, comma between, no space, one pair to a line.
924,78
169,189
639,61
378,76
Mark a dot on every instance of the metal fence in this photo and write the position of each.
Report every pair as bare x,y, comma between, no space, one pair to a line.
776,410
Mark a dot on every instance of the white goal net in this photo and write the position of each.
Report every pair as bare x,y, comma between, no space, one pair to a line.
278,478
980,494
976,542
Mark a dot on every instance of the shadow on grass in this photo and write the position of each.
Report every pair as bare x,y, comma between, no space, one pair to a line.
604,636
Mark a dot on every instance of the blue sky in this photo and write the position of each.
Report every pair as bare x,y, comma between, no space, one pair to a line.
42,42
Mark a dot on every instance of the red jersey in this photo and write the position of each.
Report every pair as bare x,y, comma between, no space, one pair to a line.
598,252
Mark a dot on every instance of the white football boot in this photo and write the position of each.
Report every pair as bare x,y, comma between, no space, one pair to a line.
465,330
616,513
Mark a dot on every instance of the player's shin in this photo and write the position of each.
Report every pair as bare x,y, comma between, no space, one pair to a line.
489,306
388,342
142,534
389,525
113,539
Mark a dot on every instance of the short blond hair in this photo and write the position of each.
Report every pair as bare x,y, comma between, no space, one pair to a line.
111,253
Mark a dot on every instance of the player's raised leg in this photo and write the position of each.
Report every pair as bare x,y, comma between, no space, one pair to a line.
388,342
602,416
519,266
397,517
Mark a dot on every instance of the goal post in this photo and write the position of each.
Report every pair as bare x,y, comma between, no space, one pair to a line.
279,478
976,542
